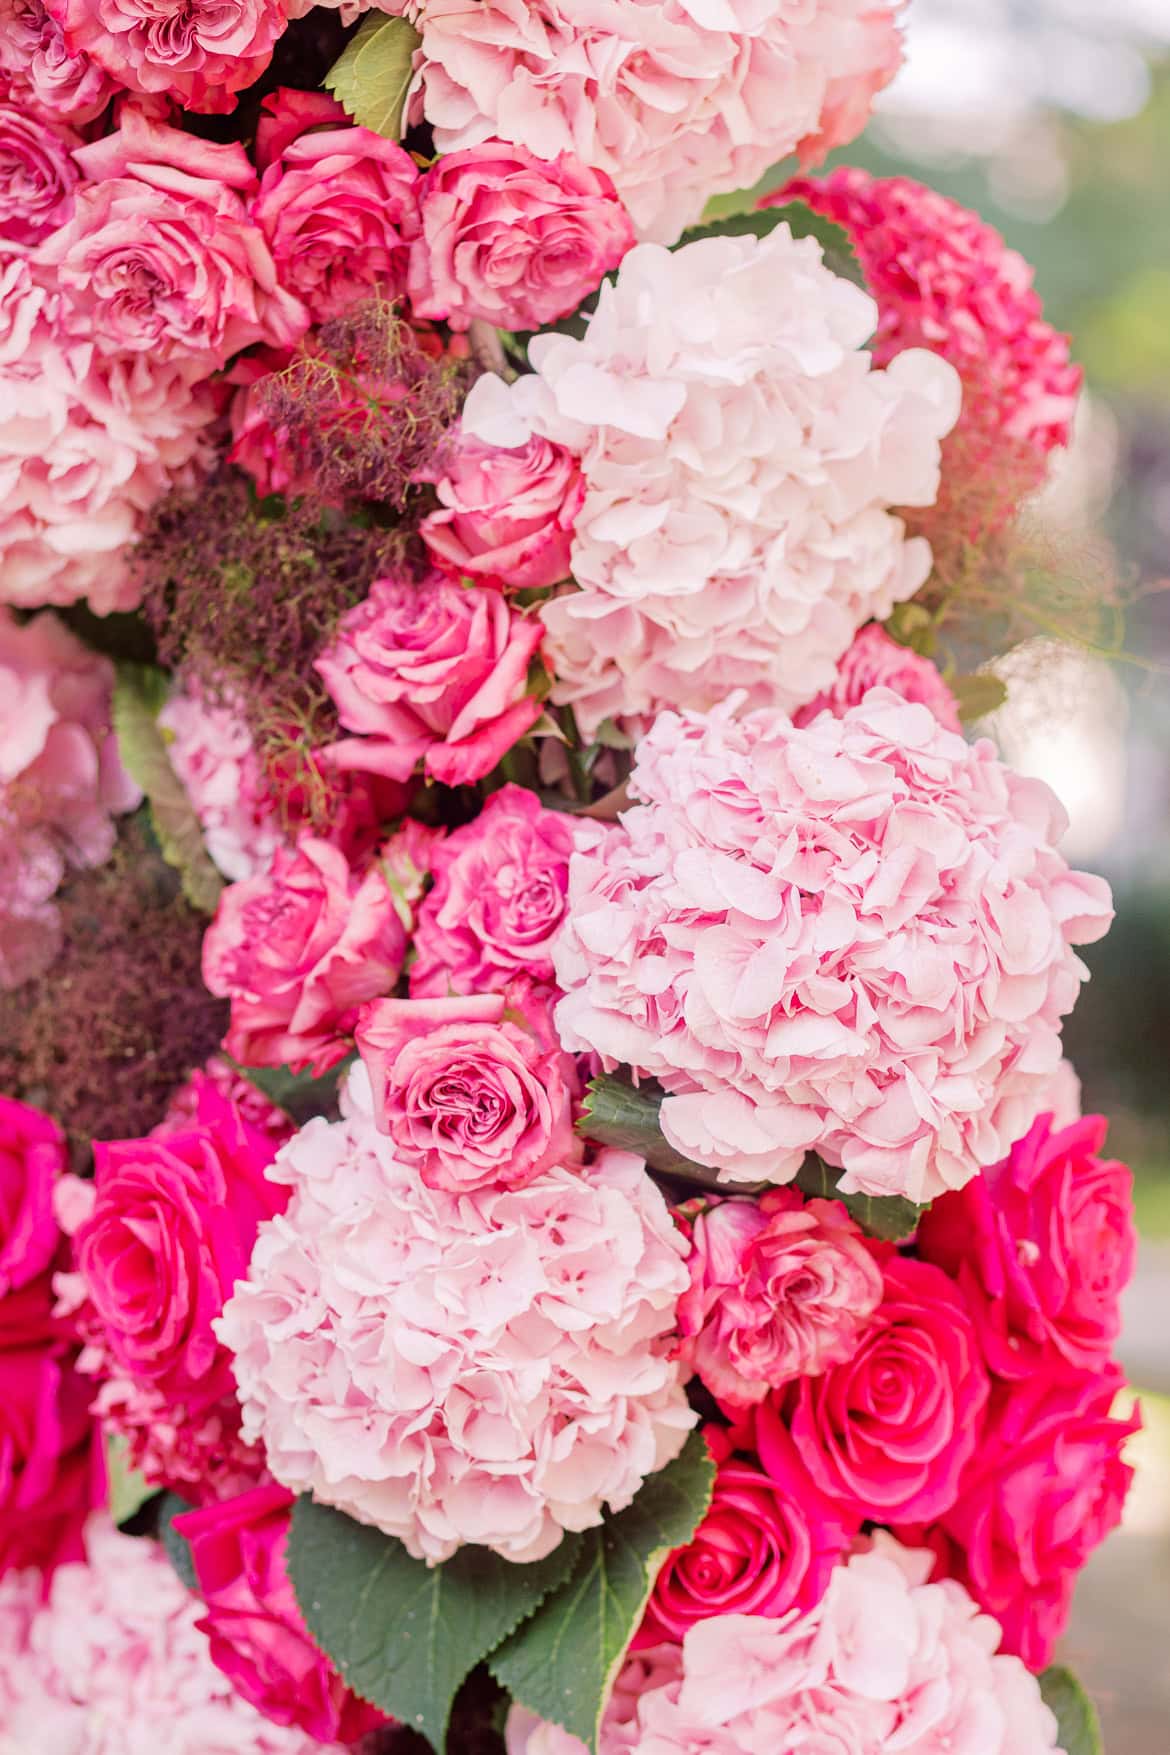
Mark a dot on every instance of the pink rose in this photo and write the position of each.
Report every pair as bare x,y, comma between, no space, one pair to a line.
499,896
780,1288
256,1632
32,1159
37,175
161,256
172,1226
51,1470
297,950
200,53
507,515
469,1098
875,661
1043,1244
888,1433
430,672
337,204
42,72
1045,1487
512,239
768,1543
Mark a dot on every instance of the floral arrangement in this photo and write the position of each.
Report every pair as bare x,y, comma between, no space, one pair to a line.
553,1217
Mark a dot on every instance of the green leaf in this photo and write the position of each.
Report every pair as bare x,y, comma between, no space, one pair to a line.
1080,1728
300,1095
886,1216
128,1490
372,75
562,1662
978,695
803,223
403,1634
139,693
176,1547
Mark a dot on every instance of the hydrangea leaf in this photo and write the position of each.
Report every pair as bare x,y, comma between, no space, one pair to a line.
176,1547
403,1634
129,1490
803,223
563,1661
978,695
372,75
887,1216
139,694
300,1095
1080,1728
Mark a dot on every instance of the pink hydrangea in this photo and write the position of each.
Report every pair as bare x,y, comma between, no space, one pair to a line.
491,1369
61,780
498,899
853,937
874,661
505,517
740,455
37,175
675,101
885,1661
41,71
160,255
198,52
945,280
212,753
430,672
113,1663
780,1288
513,239
337,204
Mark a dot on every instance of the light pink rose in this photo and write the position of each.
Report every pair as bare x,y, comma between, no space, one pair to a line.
506,516
431,673
470,1098
499,897
212,752
513,239
200,53
37,175
42,73
161,256
874,661
780,1288
337,205
297,950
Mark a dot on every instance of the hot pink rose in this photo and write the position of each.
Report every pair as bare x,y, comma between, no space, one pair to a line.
469,1097
337,204
37,175
51,1470
768,1543
431,673
499,896
200,52
780,1288
888,1433
1043,1244
507,515
42,73
161,256
1045,1487
173,1222
874,661
513,239
32,1158
257,1634
297,950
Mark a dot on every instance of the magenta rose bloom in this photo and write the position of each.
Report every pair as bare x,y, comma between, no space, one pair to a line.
501,884
171,1229
506,516
888,1433
432,673
780,1288
768,1543
337,204
37,175
160,256
297,950
1043,1244
32,1157
51,1469
515,240
199,52
1047,1484
255,1630
469,1097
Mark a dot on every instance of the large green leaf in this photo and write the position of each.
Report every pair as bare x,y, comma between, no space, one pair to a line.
803,222
887,1216
128,1490
562,1662
406,1635
176,1547
372,75
139,693
300,1095
1080,1728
